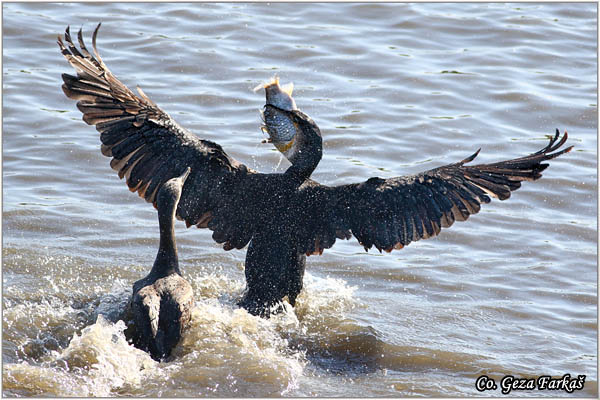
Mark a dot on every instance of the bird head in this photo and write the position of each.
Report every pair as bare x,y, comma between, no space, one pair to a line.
170,193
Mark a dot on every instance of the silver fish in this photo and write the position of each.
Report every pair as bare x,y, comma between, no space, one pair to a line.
275,115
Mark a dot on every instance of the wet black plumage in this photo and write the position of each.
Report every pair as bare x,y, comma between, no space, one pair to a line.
283,216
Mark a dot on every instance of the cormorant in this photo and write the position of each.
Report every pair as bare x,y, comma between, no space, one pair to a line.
282,216
161,303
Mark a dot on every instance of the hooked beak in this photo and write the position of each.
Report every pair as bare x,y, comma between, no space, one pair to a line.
184,176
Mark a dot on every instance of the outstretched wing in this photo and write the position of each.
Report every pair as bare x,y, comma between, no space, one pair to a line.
148,147
391,213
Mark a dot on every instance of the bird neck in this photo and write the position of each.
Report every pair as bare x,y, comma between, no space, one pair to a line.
310,150
303,167
166,262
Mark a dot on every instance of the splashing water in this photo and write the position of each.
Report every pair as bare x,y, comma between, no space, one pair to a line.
98,362
225,352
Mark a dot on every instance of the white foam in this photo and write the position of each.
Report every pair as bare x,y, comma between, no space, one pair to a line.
102,354
324,298
97,362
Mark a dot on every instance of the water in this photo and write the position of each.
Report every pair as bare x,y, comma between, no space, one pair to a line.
396,89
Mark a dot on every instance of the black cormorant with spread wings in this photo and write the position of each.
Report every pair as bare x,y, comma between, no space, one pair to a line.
282,216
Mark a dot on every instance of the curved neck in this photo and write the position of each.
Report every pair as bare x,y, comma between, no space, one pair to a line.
303,167
166,262
310,149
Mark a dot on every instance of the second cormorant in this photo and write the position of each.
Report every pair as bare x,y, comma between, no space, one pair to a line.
160,308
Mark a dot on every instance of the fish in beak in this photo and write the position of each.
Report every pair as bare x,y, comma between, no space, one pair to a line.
276,116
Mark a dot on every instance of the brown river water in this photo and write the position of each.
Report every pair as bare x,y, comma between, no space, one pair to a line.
396,89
